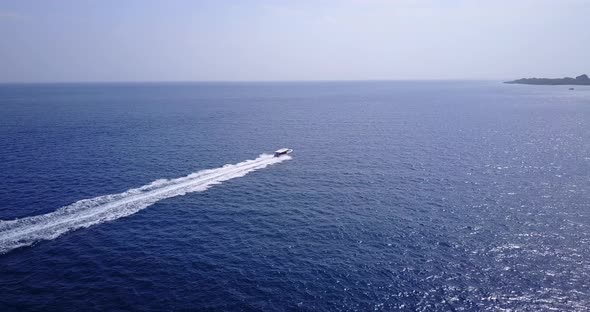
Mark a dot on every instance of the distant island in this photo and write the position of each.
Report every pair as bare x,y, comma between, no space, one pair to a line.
580,80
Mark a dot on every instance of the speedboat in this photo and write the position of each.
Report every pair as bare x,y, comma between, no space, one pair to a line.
282,151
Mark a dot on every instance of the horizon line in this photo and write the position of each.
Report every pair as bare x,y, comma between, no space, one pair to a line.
232,81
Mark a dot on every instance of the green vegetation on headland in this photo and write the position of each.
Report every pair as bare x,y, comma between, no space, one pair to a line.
580,80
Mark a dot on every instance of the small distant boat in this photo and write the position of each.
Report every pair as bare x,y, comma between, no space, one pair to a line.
572,89
282,151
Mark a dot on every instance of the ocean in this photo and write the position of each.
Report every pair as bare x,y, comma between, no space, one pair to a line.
399,195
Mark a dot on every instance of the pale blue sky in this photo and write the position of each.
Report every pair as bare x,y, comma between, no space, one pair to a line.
182,40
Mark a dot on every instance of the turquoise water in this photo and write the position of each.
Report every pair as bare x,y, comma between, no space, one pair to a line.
399,195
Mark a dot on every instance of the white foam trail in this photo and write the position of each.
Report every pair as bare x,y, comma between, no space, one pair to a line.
87,212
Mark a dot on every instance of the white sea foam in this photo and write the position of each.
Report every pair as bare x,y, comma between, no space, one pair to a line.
84,213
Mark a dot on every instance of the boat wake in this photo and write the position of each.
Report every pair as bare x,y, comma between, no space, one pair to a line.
84,213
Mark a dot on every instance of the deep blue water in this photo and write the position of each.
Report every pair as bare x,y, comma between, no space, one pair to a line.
400,195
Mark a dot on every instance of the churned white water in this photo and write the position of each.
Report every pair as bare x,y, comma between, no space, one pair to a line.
84,213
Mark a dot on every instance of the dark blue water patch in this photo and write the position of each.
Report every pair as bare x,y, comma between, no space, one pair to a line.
401,195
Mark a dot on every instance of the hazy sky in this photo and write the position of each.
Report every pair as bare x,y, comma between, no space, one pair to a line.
142,40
